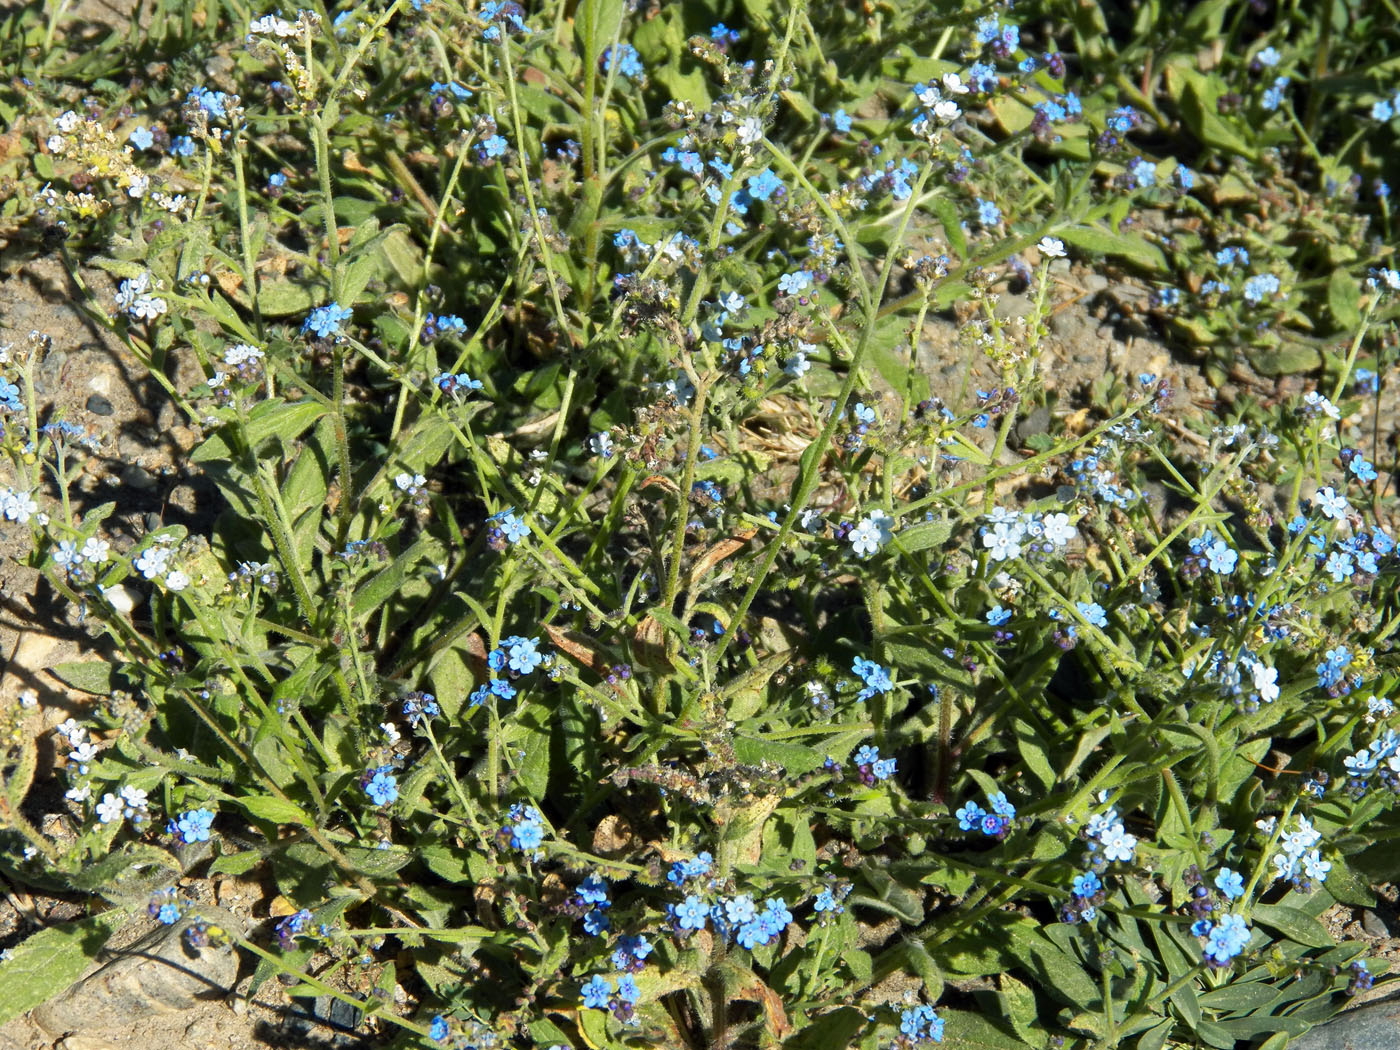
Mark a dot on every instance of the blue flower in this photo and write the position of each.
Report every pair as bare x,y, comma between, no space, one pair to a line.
794,282
1230,883
526,827
627,990
826,901
1363,468
512,527
182,146
596,993
996,615
524,656
1259,287
1221,558
970,816
920,1023
495,146
841,120
325,320
1268,58
438,1030
690,913
875,677
593,890
382,788
1143,173
212,102
1093,612
141,137
1226,940
596,923
193,825
1339,566
629,63
988,214
1332,503
168,913
1382,110
1273,97
764,185
1087,884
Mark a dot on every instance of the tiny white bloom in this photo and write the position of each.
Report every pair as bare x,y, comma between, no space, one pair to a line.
952,83
95,550
1265,682
109,809
1058,529
947,111
177,580
29,698
390,731
134,797
601,444
81,793
797,366
67,122
1053,247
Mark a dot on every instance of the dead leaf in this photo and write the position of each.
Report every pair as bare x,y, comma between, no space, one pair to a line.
582,648
716,554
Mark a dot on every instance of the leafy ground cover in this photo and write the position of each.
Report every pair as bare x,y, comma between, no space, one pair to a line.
672,580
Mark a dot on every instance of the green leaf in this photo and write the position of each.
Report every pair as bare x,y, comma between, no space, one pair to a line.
287,420
91,676
275,810
46,963
924,535
1239,997
105,873
1344,299
1123,245
795,758
968,1031
1293,923
235,863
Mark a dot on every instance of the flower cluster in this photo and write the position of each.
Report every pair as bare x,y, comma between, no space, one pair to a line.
193,825
524,828
1224,939
871,766
920,1024
995,822
1298,860
514,657
737,918
1009,532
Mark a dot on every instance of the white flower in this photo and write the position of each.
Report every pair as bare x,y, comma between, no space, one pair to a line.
1118,844
29,698
601,444
56,143
884,523
148,308
408,482
1058,529
750,131
134,797
177,580
73,732
139,185
1285,865
271,25
952,83
81,793
1266,827
67,122
152,561
390,732
66,554
1265,682
1314,867
865,538
1003,541
797,366
17,506
1053,247
109,809
83,753
947,111
95,550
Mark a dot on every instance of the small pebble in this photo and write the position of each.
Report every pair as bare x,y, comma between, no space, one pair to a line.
99,405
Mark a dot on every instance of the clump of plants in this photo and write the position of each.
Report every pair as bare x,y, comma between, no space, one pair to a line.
616,632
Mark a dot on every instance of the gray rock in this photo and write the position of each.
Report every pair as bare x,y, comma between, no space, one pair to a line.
138,478
1373,924
99,405
158,974
1374,1027
1010,307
